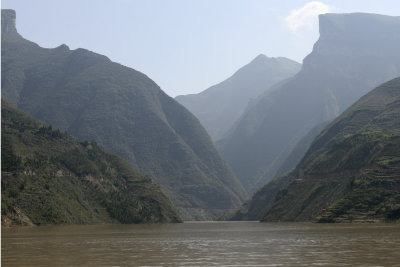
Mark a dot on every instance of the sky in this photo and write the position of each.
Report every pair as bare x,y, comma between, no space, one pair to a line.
185,46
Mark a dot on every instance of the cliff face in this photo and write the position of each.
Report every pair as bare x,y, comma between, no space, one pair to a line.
96,99
355,53
8,18
360,49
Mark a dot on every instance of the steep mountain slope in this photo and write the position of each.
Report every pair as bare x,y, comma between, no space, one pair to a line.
221,105
352,168
300,149
355,53
95,99
50,177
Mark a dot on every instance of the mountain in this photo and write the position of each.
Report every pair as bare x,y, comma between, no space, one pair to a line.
95,99
50,177
352,168
221,105
355,53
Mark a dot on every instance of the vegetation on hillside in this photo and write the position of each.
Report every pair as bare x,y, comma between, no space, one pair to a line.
50,177
352,169
95,99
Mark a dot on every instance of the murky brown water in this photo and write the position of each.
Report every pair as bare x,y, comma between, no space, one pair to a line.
204,244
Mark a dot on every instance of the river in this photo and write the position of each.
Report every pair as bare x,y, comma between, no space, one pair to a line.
204,244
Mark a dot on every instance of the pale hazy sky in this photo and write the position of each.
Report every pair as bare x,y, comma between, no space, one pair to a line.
185,46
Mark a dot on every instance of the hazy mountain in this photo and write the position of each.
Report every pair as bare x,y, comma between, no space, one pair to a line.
300,149
255,208
50,177
352,167
96,99
355,53
221,105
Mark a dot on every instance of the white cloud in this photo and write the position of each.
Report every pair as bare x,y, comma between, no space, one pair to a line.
306,16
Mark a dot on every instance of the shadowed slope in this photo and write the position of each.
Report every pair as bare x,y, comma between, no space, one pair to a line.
122,109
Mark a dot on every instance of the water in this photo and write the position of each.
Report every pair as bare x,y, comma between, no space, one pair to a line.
204,244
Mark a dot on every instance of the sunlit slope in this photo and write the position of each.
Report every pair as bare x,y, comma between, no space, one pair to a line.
50,177
352,167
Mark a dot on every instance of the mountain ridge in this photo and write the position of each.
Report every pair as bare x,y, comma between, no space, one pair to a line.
336,73
219,106
95,99
352,169
50,177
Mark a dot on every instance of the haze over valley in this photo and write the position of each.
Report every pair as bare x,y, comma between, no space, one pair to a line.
99,155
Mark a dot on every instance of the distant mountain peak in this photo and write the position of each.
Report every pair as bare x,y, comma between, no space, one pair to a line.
260,57
263,59
219,106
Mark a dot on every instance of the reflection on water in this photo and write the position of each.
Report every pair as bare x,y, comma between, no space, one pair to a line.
204,244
